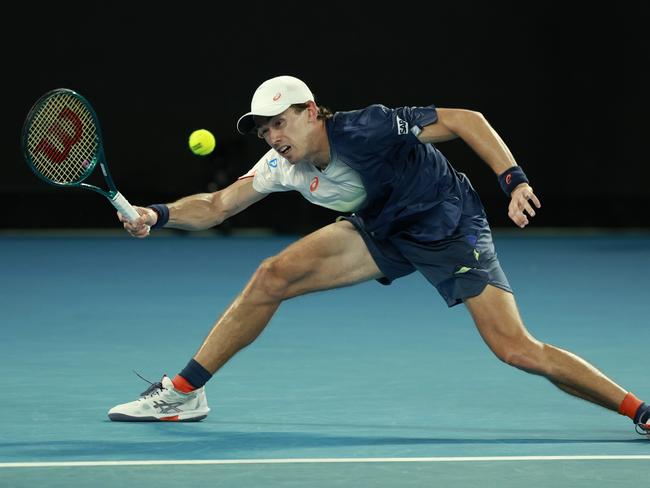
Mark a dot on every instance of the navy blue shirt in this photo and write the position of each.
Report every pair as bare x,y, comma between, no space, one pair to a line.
412,189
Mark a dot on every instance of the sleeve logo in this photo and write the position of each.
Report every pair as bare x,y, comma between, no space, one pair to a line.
402,126
272,162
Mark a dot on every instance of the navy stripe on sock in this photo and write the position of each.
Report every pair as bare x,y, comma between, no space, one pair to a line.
642,414
195,374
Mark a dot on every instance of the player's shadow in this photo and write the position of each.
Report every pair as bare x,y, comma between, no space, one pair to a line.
174,441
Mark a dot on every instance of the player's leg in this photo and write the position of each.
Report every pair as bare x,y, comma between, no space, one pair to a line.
497,318
465,269
498,321
331,257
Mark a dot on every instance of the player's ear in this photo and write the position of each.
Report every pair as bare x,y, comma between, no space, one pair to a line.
312,110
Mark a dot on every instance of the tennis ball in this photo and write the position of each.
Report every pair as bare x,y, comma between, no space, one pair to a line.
201,142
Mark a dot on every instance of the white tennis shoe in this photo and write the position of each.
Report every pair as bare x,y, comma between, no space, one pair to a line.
162,402
643,428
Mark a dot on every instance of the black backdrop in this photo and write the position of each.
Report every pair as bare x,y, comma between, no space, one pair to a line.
564,84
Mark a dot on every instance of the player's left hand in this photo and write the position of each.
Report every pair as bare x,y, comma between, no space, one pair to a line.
520,204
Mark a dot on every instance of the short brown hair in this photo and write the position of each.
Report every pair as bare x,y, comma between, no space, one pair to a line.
324,113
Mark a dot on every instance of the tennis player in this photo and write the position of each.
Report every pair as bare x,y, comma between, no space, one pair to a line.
406,209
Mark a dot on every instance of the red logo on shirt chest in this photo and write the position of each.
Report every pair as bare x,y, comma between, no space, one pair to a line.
314,184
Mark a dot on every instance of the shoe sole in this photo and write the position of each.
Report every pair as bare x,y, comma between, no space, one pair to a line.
120,417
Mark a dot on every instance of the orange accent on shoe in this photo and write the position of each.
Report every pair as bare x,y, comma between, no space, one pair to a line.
182,385
169,419
629,406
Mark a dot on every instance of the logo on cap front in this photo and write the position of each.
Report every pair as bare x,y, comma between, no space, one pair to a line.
277,96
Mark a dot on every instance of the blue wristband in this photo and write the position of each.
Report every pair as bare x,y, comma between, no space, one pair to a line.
162,211
511,178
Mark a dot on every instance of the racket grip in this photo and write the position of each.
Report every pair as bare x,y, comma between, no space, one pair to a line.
124,207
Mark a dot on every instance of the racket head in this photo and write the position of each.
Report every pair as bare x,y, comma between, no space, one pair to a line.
61,139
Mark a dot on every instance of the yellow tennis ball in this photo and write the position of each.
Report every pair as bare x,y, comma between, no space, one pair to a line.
201,142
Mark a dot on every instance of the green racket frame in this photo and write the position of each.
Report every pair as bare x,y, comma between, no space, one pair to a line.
98,156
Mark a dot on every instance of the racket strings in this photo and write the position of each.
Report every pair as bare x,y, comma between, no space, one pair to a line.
62,140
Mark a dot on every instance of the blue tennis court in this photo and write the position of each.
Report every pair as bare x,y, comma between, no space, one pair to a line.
362,386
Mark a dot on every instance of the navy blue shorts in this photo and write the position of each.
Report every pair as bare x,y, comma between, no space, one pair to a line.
460,266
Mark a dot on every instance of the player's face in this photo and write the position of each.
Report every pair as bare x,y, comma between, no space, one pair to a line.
289,134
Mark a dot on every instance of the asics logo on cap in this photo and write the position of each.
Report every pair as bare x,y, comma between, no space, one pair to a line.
272,98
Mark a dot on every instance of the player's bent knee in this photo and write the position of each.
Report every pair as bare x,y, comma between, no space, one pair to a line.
270,280
521,355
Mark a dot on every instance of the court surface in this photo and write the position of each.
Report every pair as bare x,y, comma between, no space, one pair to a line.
362,386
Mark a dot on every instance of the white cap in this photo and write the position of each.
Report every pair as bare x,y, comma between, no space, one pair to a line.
273,97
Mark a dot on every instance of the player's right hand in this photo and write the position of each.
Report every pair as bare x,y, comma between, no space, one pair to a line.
141,226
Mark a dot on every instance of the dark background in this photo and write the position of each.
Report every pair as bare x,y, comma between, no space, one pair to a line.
565,85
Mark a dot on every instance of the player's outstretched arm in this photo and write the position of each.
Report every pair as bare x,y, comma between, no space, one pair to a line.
200,211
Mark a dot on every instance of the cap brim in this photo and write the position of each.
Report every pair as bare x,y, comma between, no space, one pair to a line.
246,122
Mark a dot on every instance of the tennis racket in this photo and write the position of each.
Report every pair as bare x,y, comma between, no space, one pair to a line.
62,144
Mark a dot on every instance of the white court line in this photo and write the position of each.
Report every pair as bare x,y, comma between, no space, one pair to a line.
74,464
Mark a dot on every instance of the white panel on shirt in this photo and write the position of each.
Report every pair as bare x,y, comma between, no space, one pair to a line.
337,187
